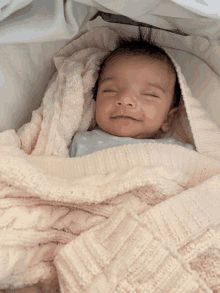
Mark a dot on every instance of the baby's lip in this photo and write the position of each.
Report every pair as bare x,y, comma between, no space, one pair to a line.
122,116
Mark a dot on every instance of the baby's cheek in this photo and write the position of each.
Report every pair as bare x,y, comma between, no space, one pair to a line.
151,112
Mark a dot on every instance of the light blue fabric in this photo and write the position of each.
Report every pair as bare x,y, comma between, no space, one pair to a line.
88,142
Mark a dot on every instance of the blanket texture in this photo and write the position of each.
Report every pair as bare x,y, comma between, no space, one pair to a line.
134,218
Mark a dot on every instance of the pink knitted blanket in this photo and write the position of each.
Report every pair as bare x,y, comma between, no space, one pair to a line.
139,217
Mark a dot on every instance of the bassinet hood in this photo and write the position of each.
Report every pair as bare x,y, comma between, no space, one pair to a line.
68,104
42,21
181,16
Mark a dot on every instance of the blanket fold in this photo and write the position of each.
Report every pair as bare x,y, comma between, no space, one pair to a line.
124,254
173,202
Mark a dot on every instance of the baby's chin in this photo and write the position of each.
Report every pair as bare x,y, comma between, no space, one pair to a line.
129,133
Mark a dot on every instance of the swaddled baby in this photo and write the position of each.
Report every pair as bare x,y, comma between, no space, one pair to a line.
137,97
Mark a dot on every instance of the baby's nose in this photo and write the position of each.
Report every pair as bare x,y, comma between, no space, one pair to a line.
126,100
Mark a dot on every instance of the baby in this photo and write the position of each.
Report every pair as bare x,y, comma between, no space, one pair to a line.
137,97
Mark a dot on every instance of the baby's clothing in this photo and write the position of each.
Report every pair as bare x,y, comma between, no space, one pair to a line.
88,142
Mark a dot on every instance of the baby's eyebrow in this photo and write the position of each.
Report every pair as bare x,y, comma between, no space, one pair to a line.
157,86
106,79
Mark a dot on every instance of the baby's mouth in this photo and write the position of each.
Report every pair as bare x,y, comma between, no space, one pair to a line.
125,117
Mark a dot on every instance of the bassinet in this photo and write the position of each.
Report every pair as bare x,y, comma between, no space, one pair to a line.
128,219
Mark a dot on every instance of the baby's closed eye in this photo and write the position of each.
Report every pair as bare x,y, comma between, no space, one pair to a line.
106,91
151,95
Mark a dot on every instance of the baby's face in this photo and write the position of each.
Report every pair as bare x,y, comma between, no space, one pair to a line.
138,87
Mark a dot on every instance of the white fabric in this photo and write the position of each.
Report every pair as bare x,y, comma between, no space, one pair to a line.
39,20
25,70
7,7
208,8
44,21
29,38
169,15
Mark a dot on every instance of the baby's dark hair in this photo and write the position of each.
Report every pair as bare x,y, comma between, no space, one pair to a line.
139,46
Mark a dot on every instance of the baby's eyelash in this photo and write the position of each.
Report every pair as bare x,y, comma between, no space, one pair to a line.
151,95
114,91
108,91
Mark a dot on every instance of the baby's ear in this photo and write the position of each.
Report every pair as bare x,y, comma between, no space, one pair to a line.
171,118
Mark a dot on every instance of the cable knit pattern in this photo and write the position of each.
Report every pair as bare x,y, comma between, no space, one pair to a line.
127,255
134,218
174,206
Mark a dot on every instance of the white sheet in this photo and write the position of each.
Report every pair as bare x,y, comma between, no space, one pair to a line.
207,8
191,17
40,20
25,70
43,21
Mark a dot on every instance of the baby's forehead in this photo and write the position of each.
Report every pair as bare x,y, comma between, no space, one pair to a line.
161,60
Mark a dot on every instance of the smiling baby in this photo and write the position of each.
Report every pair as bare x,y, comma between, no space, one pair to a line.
137,97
